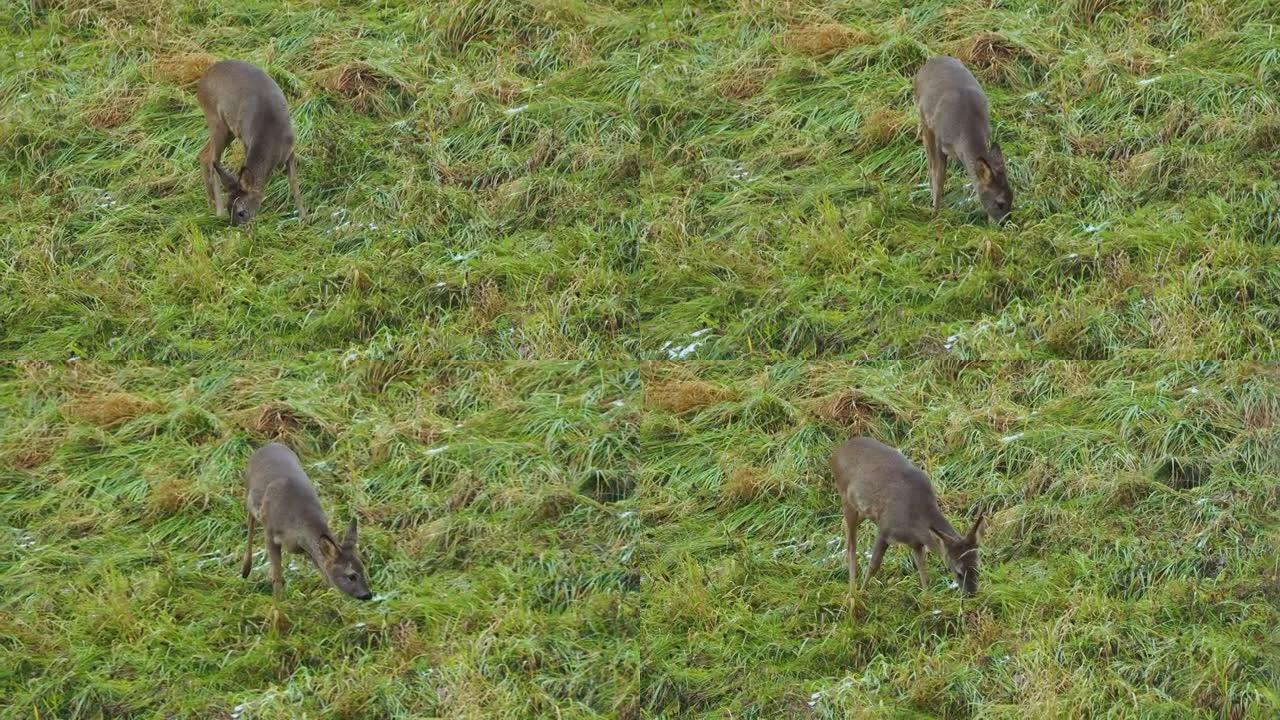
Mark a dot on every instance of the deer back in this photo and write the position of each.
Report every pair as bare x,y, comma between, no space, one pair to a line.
880,483
953,106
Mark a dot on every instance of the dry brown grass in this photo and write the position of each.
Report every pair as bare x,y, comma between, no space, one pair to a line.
851,409
990,54
112,110
743,83
273,420
821,40
107,410
683,396
745,483
180,69
30,453
169,495
363,86
883,126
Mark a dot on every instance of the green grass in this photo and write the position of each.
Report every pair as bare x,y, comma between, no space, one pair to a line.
523,211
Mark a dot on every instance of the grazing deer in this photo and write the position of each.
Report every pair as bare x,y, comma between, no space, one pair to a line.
955,123
241,101
282,498
877,482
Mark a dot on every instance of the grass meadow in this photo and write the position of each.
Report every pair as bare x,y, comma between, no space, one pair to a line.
590,292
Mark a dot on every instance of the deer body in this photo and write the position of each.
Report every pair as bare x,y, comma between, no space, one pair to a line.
955,123
282,498
878,483
239,100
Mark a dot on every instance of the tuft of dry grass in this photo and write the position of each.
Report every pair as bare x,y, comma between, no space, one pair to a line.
180,69
745,483
850,409
821,40
107,410
363,85
991,54
883,126
169,495
743,82
273,420
681,397
112,110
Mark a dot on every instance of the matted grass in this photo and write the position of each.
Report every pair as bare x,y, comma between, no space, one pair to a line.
1114,582
522,210
504,585
506,179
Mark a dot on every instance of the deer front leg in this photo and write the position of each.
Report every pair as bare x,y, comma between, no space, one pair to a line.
248,551
851,520
918,552
877,553
291,166
277,569
937,164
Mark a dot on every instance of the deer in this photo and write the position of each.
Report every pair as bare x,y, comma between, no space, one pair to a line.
879,483
955,123
239,100
282,498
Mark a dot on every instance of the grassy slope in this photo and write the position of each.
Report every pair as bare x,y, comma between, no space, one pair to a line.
502,180
1109,585
502,573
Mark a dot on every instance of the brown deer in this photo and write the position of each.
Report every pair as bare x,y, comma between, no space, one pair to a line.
241,101
877,482
282,498
955,123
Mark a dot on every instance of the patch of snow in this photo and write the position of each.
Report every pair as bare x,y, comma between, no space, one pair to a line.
1011,438
517,110
936,612
617,403
700,333
626,514
953,585
814,698
1193,390
437,450
680,353
1147,81
459,257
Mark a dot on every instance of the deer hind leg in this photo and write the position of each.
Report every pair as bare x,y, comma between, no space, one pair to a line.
851,521
219,139
877,554
291,166
248,550
918,552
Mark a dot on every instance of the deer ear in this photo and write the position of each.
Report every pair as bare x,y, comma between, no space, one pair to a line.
972,538
328,549
229,181
946,541
982,170
349,541
996,157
